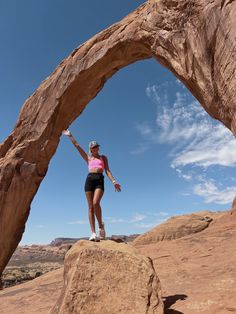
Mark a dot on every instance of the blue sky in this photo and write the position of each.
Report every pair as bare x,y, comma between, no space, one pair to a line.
169,156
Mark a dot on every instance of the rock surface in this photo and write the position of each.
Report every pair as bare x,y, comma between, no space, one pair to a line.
197,273
108,277
31,261
178,227
33,297
195,39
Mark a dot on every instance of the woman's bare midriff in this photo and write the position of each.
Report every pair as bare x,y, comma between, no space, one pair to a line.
96,170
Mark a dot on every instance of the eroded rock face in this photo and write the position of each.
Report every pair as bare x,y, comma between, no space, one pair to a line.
233,209
197,273
108,277
195,39
177,227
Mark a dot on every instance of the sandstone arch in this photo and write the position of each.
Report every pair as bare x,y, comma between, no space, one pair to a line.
195,39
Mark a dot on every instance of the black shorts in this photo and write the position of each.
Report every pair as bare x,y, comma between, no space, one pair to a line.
94,181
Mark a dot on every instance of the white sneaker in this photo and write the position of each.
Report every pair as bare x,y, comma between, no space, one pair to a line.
94,237
102,232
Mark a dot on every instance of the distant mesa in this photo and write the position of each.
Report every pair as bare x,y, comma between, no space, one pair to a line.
117,238
61,241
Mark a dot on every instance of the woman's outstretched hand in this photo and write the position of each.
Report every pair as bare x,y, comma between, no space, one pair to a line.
117,187
66,132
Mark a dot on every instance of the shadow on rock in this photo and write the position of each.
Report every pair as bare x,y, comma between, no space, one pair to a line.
170,300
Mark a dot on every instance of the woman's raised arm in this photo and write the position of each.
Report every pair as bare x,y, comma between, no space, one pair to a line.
79,148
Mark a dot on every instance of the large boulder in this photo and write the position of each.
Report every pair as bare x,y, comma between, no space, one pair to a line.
109,278
178,227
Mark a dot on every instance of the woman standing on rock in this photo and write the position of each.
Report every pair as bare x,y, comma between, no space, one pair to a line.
94,184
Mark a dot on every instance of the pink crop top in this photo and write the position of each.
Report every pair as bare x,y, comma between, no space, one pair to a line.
96,163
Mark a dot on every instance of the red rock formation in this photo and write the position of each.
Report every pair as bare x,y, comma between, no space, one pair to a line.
178,227
195,39
197,273
108,277
233,209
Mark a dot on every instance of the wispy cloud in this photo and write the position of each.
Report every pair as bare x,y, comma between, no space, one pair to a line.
212,194
145,225
148,225
115,220
40,226
180,173
158,214
197,138
144,128
163,214
78,222
215,146
135,218
140,149
138,217
138,220
141,220
197,142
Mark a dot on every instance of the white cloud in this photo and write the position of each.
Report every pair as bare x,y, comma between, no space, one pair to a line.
163,214
215,147
141,220
212,194
144,128
138,217
196,140
148,225
78,222
145,225
142,148
115,220
186,177
158,214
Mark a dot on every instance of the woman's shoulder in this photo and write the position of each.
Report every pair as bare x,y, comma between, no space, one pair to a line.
103,156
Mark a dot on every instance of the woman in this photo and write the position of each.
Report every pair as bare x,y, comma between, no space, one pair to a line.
94,184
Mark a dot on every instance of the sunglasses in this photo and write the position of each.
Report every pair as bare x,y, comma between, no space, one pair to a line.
94,147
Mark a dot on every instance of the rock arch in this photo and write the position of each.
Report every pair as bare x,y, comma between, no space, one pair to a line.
195,39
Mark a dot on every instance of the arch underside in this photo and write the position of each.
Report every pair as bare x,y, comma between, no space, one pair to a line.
186,36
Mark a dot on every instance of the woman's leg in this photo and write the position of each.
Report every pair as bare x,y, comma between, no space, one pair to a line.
89,196
98,193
